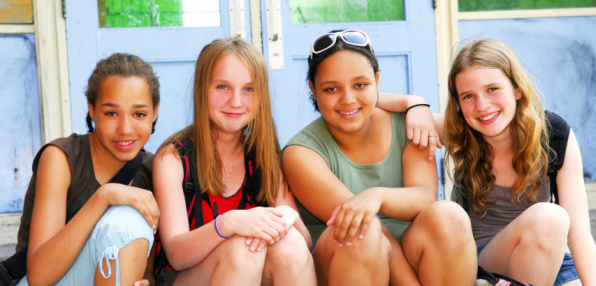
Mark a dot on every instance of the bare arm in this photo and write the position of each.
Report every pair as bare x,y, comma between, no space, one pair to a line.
180,243
54,243
324,195
285,199
572,196
312,182
421,129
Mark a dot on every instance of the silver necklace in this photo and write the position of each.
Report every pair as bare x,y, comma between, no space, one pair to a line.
225,178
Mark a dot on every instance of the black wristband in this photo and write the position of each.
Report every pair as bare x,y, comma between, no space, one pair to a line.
415,105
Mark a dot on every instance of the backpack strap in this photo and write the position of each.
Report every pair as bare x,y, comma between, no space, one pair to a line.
558,133
124,176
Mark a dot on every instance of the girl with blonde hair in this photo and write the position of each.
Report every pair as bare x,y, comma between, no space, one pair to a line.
368,195
228,217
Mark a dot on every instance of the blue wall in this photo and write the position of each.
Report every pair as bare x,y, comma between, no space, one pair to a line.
560,53
19,116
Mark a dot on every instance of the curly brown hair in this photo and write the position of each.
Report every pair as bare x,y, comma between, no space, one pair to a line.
472,155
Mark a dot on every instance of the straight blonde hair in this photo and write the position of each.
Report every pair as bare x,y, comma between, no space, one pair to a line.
259,136
471,154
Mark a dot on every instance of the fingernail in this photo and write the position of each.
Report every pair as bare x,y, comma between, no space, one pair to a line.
361,236
348,243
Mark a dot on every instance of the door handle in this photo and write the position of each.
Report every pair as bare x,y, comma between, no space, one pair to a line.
274,34
237,29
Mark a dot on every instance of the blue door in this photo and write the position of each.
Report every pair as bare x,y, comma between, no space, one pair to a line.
172,50
404,45
402,33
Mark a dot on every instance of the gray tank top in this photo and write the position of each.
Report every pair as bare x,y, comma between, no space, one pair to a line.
502,212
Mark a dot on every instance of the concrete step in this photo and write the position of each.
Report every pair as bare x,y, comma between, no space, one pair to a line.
7,251
9,224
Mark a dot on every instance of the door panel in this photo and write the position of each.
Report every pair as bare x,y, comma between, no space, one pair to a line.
405,49
171,50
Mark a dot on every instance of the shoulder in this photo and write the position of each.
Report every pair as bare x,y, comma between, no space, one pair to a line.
70,147
398,119
314,136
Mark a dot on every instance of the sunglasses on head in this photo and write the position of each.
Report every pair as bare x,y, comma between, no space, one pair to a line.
350,37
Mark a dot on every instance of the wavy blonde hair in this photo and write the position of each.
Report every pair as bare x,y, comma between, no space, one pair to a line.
260,135
471,154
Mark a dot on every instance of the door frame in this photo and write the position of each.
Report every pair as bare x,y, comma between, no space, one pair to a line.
52,66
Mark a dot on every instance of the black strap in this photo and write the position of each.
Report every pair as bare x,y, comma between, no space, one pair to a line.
494,278
128,172
558,133
124,176
16,265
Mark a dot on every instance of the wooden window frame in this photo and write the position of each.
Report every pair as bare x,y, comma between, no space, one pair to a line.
52,67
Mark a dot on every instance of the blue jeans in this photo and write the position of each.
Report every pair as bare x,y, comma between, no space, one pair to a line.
119,226
567,272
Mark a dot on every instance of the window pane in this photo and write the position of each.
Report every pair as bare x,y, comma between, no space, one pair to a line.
158,13
488,5
332,11
16,11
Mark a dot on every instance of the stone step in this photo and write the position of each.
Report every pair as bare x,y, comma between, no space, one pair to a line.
6,251
9,224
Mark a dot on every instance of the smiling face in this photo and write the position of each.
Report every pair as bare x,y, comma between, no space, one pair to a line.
487,100
123,116
230,95
345,89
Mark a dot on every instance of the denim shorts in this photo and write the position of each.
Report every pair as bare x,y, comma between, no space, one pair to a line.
119,226
567,272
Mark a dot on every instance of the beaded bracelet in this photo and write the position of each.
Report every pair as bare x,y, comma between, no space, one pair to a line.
217,230
420,104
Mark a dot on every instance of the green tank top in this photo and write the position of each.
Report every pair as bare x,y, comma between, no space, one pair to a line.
357,177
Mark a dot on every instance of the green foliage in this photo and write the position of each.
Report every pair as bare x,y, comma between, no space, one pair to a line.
333,11
489,5
139,13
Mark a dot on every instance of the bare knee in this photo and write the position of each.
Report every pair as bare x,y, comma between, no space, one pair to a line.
291,250
289,255
239,257
373,247
446,222
547,226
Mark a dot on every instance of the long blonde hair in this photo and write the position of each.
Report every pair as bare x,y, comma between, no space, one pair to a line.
471,154
260,135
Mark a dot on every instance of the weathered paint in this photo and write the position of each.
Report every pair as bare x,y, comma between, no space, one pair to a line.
560,53
19,114
16,11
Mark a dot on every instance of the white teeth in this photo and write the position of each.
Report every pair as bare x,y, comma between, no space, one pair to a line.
348,113
124,143
489,117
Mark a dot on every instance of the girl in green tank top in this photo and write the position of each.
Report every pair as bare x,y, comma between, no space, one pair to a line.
354,169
